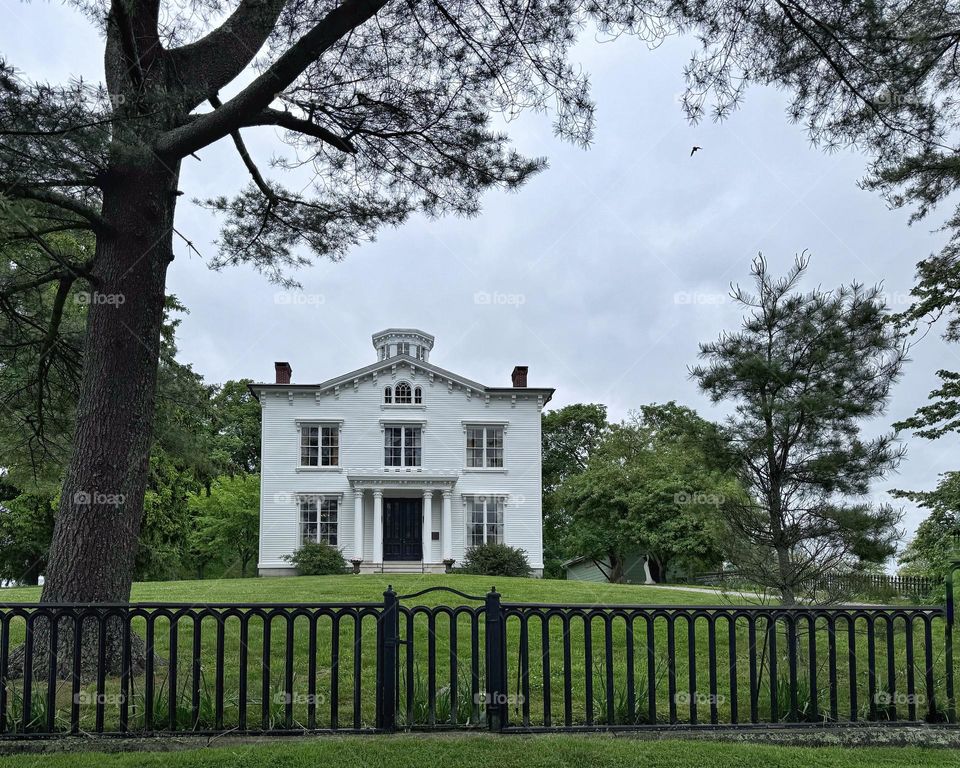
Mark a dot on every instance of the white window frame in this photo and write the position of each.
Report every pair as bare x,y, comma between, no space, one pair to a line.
485,466
336,427
405,429
416,401
494,507
396,393
323,528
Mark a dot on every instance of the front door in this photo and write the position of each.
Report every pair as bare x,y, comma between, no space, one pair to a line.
402,528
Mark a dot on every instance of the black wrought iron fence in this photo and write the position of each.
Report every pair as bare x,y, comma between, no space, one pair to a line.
477,662
188,668
836,584
880,583
639,666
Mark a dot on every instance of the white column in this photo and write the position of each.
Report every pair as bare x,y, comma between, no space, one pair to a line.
427,529
446,532
377,526
358,523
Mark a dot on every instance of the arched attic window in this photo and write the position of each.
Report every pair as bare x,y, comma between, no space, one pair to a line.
387,395
417,396
403,393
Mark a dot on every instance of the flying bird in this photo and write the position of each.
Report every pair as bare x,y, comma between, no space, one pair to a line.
694,151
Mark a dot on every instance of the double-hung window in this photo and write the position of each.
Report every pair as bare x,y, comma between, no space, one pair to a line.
484,447
484,520
319,445
402,446
318,519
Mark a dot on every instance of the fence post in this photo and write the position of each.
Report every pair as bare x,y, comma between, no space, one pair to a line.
496,643
389,640
948,629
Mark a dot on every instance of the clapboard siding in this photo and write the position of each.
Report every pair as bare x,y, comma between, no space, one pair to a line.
359,406
586,569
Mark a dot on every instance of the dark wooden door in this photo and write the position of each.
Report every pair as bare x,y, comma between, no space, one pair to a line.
402,528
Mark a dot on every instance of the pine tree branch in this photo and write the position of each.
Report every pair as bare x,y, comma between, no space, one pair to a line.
58,200
128,42
299,125
215,60
247,160
256,97
49,341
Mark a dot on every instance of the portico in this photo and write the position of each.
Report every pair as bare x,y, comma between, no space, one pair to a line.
402,530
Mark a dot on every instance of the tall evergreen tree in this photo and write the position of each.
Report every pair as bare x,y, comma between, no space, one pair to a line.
389,104
803,375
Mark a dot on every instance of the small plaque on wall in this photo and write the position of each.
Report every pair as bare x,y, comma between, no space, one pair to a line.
435,535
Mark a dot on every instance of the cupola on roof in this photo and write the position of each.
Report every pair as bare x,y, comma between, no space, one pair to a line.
403,341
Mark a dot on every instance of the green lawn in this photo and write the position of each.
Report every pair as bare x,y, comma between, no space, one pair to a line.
346,662
503,752
363,588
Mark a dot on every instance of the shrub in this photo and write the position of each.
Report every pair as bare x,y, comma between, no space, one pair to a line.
496,560
318,559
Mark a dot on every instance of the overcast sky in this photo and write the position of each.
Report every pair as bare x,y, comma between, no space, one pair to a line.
602,274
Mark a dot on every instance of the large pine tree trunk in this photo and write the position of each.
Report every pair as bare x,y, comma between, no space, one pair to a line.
101,508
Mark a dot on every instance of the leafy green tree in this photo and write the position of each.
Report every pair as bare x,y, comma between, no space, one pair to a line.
649,487
568,436
26,525
930,551
802,375
228,518
236,426
165,534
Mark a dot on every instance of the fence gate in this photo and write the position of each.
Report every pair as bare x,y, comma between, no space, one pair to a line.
441,666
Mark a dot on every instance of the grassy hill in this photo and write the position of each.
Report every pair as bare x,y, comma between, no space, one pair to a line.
371,587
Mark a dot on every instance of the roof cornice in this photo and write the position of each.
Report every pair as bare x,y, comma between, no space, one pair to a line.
406,361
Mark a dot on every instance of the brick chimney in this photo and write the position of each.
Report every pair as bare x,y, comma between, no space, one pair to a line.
284,372
519,376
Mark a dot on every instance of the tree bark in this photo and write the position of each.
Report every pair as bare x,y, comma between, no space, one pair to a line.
616,568
101,507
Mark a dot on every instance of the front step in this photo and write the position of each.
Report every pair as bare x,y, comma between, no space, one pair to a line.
403,566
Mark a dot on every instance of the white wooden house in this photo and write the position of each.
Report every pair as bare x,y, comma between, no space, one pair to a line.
401,464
